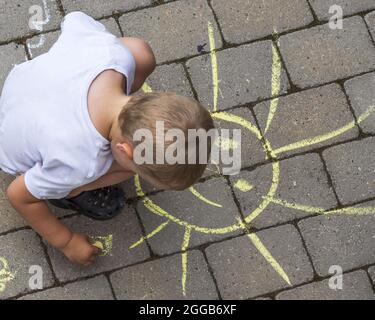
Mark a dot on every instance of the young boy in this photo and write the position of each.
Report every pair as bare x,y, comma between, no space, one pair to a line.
67,126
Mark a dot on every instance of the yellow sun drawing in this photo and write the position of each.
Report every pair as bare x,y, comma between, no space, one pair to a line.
271,154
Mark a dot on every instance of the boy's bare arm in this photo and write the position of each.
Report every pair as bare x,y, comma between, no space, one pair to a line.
37,214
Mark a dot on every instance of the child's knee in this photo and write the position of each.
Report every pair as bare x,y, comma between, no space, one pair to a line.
143,54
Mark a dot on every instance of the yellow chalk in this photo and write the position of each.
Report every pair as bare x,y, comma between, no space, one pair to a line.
204,199
104,244
276,85
215,73
146,88
5,274
268,256
243,186
327,136
98,244
150,235
185,246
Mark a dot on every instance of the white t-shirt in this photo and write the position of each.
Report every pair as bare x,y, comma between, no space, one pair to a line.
45,128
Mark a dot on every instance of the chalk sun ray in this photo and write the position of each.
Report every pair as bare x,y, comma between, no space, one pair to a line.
258,244
276,86
150,235
325,137
268,256
184,259
203,198
322,211
214,65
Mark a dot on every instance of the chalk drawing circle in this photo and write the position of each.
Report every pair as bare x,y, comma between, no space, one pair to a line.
267,199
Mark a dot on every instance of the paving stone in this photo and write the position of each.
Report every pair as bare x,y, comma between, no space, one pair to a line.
43,43
190,210
370,20
362,96
244,73
319,55
10,55
124,229
99,8
371,272
257,19
16,20
242,272
18,252
162,280
306,115
303,182
170,78
356,286
92,289
343,240
112,26
182,24
351,167
349,7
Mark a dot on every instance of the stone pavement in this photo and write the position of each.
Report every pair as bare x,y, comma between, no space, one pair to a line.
304,200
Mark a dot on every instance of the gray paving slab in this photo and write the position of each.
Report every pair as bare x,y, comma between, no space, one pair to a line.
182,24
97,288
370,20
244,76
319,55
342,240
257,19
161,279
351,167
187,210
303,184
242,272
10,55
18,252
361,92
171,78
349,7
356,286
112,26
99,8
124,231
17,17
304,121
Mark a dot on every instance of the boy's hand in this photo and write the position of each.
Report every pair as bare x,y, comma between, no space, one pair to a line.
79,250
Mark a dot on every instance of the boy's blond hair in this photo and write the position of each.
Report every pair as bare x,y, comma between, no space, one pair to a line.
176,112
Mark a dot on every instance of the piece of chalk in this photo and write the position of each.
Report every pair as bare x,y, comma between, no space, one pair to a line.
98,244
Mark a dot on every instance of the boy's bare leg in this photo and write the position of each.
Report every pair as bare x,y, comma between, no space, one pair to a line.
144,59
